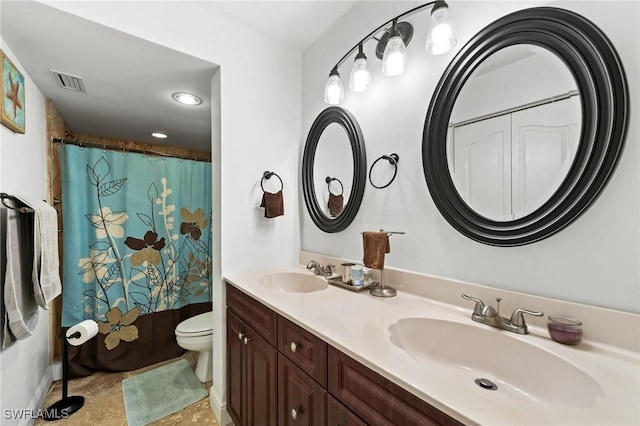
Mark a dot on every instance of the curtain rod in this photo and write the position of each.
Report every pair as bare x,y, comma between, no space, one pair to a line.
134,150
522,107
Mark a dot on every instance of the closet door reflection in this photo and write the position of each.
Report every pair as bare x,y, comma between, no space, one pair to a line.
482,166
506,167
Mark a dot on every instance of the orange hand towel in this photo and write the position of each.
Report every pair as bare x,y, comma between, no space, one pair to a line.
375,245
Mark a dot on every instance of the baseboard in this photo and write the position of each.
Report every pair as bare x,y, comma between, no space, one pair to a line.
38,397
219,408
56,369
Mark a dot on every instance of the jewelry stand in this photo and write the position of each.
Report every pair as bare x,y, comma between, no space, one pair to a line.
381,290
68,404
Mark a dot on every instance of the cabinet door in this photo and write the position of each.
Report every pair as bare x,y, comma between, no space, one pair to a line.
235,367
301,401
375,399
261,387
339,415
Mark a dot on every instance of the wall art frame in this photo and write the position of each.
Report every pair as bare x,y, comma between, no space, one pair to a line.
12,114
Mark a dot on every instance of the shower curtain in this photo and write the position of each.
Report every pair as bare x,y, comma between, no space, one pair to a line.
136,253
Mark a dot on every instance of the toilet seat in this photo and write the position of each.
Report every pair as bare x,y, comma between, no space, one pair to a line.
196,326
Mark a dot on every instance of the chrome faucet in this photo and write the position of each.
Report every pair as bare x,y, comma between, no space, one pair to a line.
317,269
487,314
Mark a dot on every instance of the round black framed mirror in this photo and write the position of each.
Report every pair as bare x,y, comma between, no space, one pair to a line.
603,105
334,154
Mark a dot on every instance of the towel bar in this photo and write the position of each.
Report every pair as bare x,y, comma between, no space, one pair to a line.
4,196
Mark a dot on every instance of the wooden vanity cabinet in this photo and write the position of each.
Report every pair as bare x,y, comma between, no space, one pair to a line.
303,348
339,415
251,360
376,400
301,400
278,373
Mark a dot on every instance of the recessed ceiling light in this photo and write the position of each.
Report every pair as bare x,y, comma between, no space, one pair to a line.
159,135
187,98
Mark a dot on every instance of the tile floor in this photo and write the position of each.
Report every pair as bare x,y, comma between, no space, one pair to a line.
104,405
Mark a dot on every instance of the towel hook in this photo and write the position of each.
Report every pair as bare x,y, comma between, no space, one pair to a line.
393,160
331,179
267,175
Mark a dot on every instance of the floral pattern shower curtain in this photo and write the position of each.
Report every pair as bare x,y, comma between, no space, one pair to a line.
136,253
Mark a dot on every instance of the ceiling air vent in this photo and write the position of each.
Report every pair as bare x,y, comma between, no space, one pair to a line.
69,81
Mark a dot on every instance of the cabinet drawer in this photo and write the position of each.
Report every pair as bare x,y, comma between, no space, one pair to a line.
375,399
339,415
254,313
301,401
303,348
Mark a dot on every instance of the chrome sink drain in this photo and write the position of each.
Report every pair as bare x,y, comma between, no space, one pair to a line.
486,384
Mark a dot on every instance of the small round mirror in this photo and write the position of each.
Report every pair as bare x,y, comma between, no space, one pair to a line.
334,166
333,170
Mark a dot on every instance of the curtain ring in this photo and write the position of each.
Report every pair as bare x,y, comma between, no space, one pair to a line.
267,175
393,160
331,179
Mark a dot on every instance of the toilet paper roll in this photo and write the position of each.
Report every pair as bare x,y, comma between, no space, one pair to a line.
87,329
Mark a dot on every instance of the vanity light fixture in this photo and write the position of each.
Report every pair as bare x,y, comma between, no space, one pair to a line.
186,98
333,90
360,78
391,49
395,53
442,32
159,135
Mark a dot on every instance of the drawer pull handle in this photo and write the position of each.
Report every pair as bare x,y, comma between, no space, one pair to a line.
294,413
246,340
240,336
294,346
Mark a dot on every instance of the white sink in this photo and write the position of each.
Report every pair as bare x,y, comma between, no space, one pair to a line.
518,368
293,282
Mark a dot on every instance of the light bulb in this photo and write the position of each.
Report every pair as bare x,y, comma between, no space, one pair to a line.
360,77
187,98
333,91
441,36
395,55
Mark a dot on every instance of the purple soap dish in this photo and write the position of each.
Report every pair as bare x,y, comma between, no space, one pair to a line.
564,329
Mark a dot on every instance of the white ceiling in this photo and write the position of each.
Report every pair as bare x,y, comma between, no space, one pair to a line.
295,23
128,80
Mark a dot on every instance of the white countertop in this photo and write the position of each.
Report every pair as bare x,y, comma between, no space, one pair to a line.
358,324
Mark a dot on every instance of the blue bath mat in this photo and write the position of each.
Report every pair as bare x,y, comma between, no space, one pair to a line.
155,394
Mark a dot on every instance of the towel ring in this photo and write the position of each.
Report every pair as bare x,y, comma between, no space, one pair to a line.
267,175
393,159
331,179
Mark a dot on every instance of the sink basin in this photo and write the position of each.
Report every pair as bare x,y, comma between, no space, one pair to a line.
518,368
293,282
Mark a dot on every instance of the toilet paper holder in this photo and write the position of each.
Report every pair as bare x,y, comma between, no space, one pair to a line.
68,405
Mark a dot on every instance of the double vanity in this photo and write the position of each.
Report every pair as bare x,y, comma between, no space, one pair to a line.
332,356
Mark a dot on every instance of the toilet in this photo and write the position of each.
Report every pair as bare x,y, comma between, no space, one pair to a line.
196,334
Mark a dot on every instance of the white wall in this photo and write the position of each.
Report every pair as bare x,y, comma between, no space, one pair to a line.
596,260
260,87
25,374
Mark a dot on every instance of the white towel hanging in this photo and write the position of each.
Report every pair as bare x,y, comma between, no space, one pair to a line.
20,304
46,274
